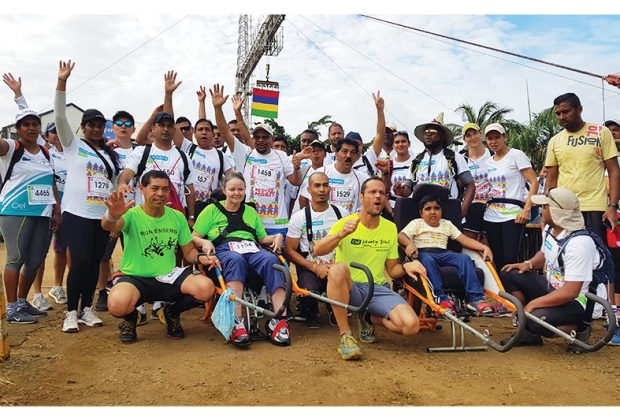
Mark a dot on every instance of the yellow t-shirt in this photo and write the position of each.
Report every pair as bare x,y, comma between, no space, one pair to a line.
371,247
580,160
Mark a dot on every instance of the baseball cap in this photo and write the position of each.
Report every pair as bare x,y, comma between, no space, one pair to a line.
264,127
50,127
495,127
23,113
318,143
564,207
470,125
390,125
612,122
162,116
353,135
92,114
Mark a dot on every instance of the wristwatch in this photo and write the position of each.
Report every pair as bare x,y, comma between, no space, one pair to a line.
613,205
191,217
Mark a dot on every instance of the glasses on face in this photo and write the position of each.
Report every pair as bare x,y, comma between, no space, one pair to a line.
430,132
186,128
261,137
550,197
120,123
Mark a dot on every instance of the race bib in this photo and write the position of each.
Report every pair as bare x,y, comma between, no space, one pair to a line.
341,194
267,173
40,194
99,186
171,276
243,247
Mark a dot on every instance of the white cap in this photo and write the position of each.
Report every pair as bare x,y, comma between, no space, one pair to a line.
494,127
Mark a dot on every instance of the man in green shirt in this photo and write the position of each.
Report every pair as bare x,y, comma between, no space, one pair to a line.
366,236
152,231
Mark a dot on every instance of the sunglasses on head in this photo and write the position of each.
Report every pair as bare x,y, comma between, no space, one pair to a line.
120,123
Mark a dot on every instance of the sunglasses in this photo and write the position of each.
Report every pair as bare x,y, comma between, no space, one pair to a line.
550,197
431,131
261,137
186,128
120,123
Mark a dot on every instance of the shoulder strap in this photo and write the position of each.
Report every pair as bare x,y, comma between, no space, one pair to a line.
18,153
145,157
232,224
108,168
416,161
221,156
308,223
368,166
451,158
185,165
191,150
338,214
303,176
46,153
225,148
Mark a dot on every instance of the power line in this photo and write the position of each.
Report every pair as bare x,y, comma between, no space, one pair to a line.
121,59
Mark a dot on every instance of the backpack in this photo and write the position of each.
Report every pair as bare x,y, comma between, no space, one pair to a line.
605,272
145,157
309,227
366,162
220,155
235,223
18,153
449,155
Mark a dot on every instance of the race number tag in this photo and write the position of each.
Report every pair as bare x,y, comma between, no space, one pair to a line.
99,186
243,247
40,194
171,276
341,194
263,172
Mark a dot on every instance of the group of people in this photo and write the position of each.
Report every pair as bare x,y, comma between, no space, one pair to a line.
226,198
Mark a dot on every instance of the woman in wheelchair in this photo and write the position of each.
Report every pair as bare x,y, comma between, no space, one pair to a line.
427,240
232,233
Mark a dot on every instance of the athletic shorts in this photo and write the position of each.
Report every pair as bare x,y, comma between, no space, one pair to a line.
152,290
383,299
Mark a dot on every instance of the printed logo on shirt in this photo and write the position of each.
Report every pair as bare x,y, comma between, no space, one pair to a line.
581,140
336,181
157,157
548,244
257,160
86,153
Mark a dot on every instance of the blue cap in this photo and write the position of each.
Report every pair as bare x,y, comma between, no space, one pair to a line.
354,136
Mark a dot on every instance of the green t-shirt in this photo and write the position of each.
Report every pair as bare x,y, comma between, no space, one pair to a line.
211,222
150,242
371,247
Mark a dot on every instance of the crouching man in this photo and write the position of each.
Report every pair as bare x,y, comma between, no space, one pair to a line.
152,231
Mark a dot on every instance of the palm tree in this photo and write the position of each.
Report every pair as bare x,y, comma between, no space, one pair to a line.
533,138
325,120
490,112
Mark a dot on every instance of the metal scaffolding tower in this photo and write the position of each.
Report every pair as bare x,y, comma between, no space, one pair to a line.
268,41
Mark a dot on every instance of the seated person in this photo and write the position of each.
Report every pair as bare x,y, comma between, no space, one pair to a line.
233,231
559,296
428,237
368,238
152,232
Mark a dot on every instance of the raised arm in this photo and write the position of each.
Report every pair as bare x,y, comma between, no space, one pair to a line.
112,220
16,86
237,102
202,96
142,137
218,99
170,85
377,143
60,103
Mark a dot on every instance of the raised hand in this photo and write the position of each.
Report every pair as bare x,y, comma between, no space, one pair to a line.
15,85
64,69
349,227
158,109
379,103
116,203
237,103
217,95
305,153
202,94
170,82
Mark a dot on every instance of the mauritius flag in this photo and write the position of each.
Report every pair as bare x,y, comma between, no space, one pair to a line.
265,103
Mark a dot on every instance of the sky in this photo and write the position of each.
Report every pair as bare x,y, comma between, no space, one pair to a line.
332,59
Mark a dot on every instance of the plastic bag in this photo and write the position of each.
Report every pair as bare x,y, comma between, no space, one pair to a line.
223,316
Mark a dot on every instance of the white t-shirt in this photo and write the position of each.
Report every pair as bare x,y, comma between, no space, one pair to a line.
302,187
322,222
207,166
506,181
60,169
87,184
478,170
229,156
330,158
580,259
264,176
123,156
372,159
169,161
29,191
345,188
400,173
436,170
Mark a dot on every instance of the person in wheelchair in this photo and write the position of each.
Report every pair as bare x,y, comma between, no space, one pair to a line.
559,296
427,238
233,233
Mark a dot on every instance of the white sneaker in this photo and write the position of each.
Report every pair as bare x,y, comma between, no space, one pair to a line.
89,317
58,294
70,325
41,303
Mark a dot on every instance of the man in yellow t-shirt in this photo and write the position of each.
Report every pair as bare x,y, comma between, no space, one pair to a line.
368,238
577,158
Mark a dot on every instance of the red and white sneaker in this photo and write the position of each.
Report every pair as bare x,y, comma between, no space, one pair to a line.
278,332
240,336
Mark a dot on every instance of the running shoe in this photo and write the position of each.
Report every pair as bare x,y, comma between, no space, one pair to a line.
348,347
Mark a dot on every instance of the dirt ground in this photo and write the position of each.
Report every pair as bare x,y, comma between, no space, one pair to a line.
91,368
